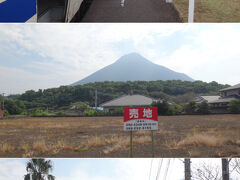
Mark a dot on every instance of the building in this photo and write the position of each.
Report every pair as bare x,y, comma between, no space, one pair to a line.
233,91
219,104
226,96
207,99
1,113
135,100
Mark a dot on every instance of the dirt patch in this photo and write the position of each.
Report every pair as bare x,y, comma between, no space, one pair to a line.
178,136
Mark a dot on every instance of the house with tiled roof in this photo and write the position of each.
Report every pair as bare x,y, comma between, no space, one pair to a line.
206,99
226,96
135,100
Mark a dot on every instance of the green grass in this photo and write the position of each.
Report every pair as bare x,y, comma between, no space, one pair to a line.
211,10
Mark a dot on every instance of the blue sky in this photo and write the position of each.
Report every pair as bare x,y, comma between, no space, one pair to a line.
108,169
39,56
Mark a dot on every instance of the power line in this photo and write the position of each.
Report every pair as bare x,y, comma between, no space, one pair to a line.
150,170
170,168
159,168
166,170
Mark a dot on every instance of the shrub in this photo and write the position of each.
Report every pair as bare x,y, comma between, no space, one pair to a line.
163,107
203,108
171,110
5,113
37,112
60,113
117,111
80,106
178,109
234,106
40,112
93,112
191,107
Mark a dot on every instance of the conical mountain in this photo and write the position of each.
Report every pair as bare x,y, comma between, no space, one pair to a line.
133,67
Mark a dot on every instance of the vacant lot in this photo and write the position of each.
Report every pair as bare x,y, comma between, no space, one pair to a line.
211,10
178,136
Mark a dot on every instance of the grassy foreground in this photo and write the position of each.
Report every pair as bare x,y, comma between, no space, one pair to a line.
211,10
178,136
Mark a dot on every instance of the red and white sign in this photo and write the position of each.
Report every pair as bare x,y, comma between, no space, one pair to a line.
140,118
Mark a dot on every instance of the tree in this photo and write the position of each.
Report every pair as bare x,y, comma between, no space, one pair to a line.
80,106
191,107
234,106
39,169
14,106
206,172
203,108
235,164
163,107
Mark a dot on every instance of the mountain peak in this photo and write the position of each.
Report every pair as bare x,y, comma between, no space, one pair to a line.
133,57
133,67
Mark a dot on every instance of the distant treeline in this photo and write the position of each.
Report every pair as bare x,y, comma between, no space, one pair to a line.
57,98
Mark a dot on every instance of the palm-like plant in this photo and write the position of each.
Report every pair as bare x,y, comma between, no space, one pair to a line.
39,169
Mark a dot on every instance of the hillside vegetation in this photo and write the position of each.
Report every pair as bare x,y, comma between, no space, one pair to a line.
62,97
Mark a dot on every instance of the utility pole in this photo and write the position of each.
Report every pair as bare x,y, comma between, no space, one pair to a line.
96,98
225,169
187,166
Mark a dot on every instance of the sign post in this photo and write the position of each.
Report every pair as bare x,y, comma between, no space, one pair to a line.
140,118
131,144
152,144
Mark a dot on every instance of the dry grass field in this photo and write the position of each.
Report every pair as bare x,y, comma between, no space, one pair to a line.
178,136
211,10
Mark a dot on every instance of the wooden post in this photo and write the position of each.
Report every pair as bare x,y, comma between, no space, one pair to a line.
131,144
191,11
152,144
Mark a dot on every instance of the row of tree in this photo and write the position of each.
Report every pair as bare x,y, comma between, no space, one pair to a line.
64,96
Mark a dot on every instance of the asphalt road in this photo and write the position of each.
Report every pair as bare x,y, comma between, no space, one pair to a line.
131,11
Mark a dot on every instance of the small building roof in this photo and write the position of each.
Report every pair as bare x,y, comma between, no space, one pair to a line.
129,100
210,98
223,100
232,87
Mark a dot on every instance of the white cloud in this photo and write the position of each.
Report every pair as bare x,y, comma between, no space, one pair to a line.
70,53
15,80
11,169
126,168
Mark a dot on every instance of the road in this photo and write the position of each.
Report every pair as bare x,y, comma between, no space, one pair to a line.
131,11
